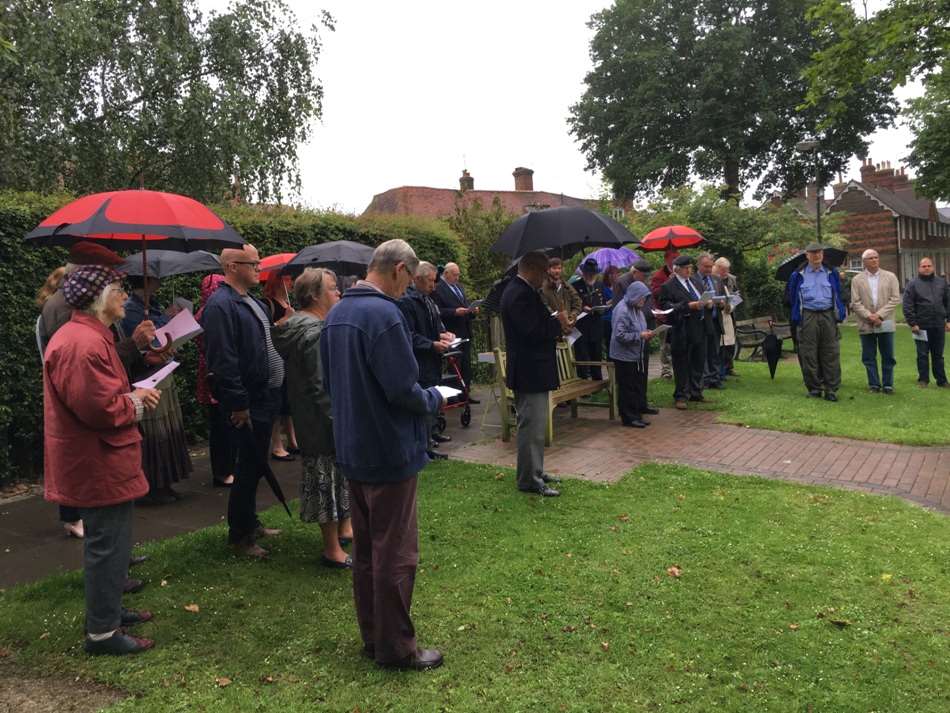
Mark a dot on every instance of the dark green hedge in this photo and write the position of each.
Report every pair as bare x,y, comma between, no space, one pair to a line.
23,270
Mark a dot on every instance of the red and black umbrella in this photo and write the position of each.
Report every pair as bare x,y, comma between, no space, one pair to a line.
130,220
273,263
671,236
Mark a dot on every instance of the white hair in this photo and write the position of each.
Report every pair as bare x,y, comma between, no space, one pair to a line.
390,254
425,268
98,306
870,252
723,262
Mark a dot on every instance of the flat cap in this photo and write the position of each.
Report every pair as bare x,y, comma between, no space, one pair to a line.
590,266
683,260
643,266
814,247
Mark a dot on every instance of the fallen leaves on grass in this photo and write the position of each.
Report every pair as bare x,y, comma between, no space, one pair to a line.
163,583
569,629
624,517
193,608
267,679
222,681
674,571
794,627
605,645
44,635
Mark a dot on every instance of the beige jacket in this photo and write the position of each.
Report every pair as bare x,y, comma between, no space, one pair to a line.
888,297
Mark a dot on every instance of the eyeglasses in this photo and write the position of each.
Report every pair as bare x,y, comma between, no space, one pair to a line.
254,265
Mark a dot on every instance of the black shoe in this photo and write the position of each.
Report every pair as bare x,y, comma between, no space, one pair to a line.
294,451
830,396
874,389
439,438
436,456
473,401
287,458
889,390
133,586
543,490
651,411
636,424
131,617
336,564
421,660
215,483
548,478
117,645
697,398
137,559
814,394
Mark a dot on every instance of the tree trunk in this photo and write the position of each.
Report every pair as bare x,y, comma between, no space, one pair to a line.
731,176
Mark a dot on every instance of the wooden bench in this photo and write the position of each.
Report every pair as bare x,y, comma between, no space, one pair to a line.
570,391
750,333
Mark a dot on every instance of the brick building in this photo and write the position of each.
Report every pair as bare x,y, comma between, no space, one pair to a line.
885,213
441,202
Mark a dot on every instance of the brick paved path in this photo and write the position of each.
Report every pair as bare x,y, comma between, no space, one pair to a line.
595,448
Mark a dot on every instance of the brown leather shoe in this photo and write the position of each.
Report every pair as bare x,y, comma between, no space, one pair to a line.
681,405
249,549
422,660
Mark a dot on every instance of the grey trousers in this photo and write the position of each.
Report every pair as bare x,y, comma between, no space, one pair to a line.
107,548
532,421
818,350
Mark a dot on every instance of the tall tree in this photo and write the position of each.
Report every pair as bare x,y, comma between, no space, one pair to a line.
106,94
709,88
909,39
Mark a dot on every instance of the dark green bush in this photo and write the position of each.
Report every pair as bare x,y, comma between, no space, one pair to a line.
23,269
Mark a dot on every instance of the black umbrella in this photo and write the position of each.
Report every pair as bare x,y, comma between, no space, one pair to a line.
562,231
166,263
772,348
344,257
833,257
265,470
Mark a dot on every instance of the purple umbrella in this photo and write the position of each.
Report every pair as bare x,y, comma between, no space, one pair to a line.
621,258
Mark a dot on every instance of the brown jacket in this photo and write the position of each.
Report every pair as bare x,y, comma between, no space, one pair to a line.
888,297
562,299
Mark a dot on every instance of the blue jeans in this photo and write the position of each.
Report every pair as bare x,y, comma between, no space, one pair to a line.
870,345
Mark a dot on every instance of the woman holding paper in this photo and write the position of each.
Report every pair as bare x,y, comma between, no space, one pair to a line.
165,458
324,497
629,340
92,452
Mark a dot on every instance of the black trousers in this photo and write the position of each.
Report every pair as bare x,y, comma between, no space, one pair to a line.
689,361
712,374
465,362
253,454
631,389
222,445
69,514
932,351
589,348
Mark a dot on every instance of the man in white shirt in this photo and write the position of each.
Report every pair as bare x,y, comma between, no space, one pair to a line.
875,294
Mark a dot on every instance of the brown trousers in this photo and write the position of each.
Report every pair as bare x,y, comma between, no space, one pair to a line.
385,555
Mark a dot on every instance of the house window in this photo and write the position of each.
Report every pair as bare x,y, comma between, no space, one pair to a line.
855,263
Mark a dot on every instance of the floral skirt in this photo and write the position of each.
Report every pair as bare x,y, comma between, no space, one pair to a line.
165,458
324,496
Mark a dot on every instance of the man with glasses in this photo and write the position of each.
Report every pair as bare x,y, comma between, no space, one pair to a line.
245,373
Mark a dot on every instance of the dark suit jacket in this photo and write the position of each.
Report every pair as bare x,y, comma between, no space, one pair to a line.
687,325
713,325
425,330
448,302
531,335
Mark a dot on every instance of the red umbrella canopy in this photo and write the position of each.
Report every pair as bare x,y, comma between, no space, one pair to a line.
671,236
274,262
126,219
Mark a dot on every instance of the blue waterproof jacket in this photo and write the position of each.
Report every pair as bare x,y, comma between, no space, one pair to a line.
380,413
795,294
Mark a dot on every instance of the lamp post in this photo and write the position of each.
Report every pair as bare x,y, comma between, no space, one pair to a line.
811,145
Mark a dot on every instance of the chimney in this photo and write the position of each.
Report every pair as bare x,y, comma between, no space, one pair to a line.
466,182
524,180
867,171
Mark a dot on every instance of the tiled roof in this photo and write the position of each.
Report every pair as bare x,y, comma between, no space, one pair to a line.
439,202
903,202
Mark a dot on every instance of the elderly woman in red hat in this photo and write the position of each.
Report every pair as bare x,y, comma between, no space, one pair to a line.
93,458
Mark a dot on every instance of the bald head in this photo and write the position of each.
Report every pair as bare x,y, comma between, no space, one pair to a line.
451,273
241,267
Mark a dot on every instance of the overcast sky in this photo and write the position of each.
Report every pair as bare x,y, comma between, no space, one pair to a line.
417,90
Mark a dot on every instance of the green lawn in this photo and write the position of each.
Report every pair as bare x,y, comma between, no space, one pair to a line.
789,599
912,415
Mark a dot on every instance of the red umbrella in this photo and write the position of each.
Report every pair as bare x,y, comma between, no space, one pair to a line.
136,219
274,262
671,236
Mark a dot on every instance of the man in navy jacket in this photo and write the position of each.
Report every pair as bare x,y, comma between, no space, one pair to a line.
380,427
245,372
457,316
531,334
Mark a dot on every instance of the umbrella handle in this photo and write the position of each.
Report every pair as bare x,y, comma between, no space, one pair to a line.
163,348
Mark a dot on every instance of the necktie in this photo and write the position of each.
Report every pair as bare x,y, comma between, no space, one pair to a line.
709,286
458,293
